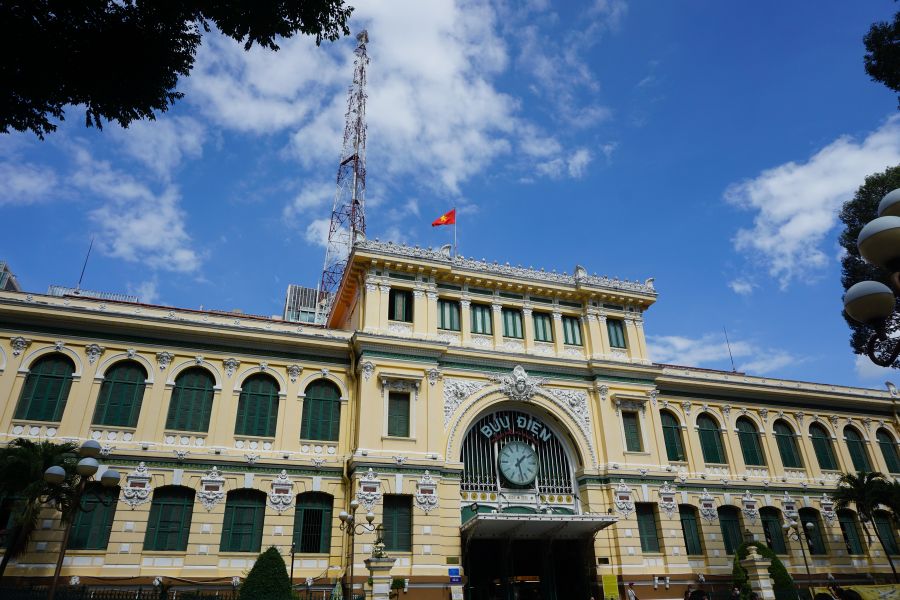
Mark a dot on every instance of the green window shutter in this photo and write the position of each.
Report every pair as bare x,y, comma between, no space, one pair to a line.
646,520
398,523
481,319
572,331
690,530
321,417
398,414
257,413
885,528
616,330
119,401
312,523
512,323
400,305
92,524
821,442
243,524
46,389
632,431
888,451
730,524
672,437
169,523
850,531
814,534
787,446
857,448
190,407
543,327
771,522
448,315
749,441
710,440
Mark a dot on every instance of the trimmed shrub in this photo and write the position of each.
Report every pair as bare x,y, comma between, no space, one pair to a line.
268,579
781,579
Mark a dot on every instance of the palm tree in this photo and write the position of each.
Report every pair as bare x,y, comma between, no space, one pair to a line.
22,487
866,490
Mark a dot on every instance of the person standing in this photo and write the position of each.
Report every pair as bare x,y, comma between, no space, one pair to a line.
629,593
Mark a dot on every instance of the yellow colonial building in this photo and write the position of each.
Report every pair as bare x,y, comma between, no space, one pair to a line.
504,424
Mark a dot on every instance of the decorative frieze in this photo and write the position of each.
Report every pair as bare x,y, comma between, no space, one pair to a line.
137,488
281,493
708,506
212,489
667,502
369,491
623,499
426,493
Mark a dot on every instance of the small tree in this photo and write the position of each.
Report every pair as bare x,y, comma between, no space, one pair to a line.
883,53
866,491
268,579
781,579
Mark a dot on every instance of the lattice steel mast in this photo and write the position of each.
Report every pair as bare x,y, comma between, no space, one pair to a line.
348,217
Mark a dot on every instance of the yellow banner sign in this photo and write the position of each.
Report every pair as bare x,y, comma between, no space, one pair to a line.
611,587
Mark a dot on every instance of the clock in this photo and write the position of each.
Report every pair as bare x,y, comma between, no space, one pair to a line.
518,463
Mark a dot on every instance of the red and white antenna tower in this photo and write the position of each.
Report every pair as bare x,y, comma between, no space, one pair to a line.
348,216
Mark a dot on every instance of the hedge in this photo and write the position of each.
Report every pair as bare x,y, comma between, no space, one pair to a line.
781,579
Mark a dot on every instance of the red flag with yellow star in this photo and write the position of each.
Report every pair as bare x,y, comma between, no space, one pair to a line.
448,218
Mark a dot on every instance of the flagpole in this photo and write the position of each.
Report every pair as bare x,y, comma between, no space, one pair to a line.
455,247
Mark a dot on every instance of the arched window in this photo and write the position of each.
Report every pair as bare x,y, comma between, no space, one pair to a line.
257,412
787,445
710,439
192,399
242,526
771,524
119,402
690,529
730,523
312,522
170,519
888,450
821,442
885,527
857,448
672,436
46,389
813,534
850,530
321,419
748,437
92,524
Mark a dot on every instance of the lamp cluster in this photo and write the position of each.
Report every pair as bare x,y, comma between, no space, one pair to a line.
870,302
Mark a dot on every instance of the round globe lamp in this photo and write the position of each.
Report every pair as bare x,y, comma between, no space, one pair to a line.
879,242
869,302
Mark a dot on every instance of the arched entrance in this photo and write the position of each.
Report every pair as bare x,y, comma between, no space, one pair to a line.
524,534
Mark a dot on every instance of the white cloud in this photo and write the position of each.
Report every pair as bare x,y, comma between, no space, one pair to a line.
316,233
146,291
575,165
311,200
796,204
741,287
136,224
711,350
578,162
25,183
871,374
162,144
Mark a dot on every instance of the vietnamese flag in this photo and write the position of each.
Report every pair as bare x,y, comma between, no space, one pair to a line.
448,218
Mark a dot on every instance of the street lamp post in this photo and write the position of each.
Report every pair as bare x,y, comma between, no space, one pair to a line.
87,467
871,302
800,533
350,527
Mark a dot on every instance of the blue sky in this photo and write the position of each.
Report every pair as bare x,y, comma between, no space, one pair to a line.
706,144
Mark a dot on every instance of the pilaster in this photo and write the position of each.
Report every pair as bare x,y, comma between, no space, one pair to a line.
558,337
421,313
497,314
431,301
465,321
528,327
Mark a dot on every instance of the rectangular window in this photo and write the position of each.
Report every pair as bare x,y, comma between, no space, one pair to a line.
632,431
646,519
448,315
92,524
885,528
400,305
850,533
731,530
691,530
543,327
772,530
616,330
398,414
572,330
512,323
398,523
481,319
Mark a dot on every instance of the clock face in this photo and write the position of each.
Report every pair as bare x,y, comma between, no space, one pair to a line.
518,463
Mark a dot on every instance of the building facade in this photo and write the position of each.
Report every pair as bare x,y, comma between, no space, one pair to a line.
502,423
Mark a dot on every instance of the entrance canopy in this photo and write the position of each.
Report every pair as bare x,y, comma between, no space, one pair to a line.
534,526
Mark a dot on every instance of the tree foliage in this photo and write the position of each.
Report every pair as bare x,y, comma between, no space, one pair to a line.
267,579
854,215
121,59
781,579
22,466
883,53
865,491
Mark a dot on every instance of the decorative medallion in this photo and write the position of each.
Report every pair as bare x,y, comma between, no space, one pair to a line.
708,506
426,493
749,506
19,345
623,499
828,513
368,368
653,395
231,365
164,359
686,406
603,390
434,375
281,494
137,488
212,489
369,492
789,506
294,372
667,501
518,386
93,351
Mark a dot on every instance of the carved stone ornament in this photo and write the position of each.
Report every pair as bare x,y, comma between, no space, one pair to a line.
293,372
834,420
281,494
369,492
799,416
750,506
789,506
164,359
686,406
212,489
708,506
231,365
93,351
764,413
251,458
603,390
624,500
368,368
518,385
455,393
131,353
426,493
653,395
667,501
19,345
74,580
828,512
433,375
137,488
